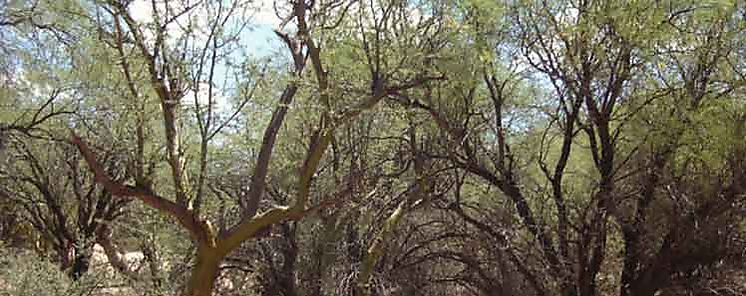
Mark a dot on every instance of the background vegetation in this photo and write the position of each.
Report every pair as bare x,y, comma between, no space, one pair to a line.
387,147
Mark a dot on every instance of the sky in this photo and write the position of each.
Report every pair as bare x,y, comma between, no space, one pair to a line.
259,37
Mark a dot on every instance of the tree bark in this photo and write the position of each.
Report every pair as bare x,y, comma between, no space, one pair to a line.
205,272
81,263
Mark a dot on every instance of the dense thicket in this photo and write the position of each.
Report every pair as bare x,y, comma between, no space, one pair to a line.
466,147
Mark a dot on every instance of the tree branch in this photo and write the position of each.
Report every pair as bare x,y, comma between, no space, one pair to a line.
195,227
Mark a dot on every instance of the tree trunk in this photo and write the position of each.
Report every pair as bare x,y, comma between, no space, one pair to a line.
75,260
81,261
80,265
205,272
640,289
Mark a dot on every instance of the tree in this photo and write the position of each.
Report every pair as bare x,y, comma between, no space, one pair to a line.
594,66
169,80
67,212
563,147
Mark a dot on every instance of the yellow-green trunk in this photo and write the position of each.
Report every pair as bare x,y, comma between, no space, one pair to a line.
204,274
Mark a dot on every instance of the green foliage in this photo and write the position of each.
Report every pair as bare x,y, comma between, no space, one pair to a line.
27,274
478,96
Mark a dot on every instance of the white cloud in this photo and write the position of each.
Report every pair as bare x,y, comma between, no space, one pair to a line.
141,11
265,13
